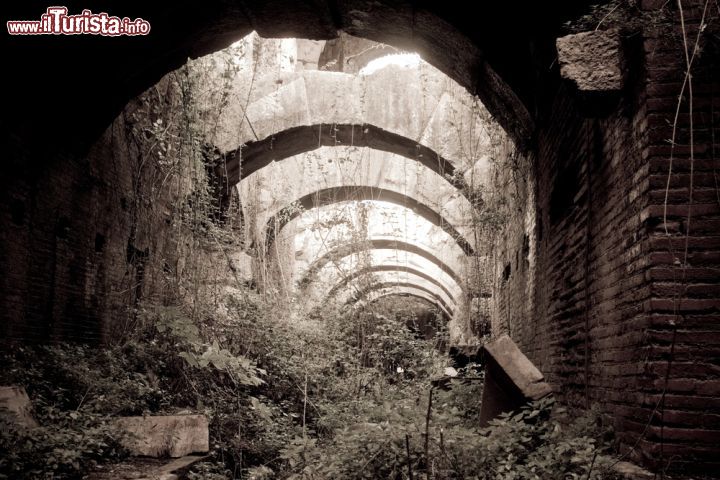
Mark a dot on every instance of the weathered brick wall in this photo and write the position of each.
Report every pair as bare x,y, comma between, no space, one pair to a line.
590,285
64,238
585,331
614,312
87,236
681,373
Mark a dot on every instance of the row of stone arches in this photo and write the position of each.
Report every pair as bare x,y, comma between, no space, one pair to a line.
408,146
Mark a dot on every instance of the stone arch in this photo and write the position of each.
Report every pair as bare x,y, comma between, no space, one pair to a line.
392,272
429,110
377,244
316,232
379,263
424,297
329,196
254,155
340,171
430,300
389,268
315,288
401,286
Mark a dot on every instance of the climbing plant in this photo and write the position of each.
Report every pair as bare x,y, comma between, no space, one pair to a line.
335,393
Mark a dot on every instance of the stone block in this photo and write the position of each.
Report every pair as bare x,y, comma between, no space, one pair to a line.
171,470
160,435
630,471
16,400
511,379
524,375
592,60
146,469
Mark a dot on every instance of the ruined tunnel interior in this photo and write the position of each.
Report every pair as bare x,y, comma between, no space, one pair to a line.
363,239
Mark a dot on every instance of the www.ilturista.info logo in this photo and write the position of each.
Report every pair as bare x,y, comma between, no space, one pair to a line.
56,21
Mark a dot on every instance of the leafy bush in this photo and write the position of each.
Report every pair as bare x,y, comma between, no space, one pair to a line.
530,444
70,444
286,403
209,471
76,390
527,445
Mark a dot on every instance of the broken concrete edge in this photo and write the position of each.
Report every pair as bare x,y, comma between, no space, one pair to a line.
15,400
170,470
630,471
159,435
510,381
593,61
521,371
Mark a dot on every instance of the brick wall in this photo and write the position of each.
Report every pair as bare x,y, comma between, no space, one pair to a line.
87,236
614,311
64,236
589,284
681,315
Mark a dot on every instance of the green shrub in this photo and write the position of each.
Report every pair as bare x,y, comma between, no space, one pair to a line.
286,403
527,445
67,446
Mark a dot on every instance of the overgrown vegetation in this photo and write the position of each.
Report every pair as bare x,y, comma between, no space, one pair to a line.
286,403
625,15
336,394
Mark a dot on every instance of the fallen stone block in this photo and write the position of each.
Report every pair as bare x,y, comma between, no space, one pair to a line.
592,60
146,469
171,471
630,471
511,379
16,400
171,435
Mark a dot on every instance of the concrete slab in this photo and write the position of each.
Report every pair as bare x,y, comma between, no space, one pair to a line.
171,470
16,400
518,367
146,469
172,435
511,379
630,471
